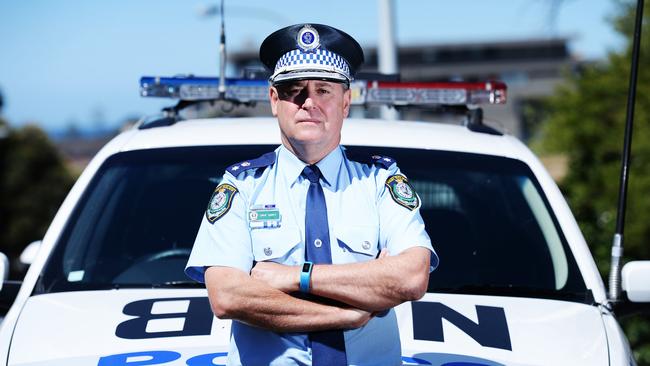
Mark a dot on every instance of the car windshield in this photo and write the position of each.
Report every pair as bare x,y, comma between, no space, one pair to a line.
487,217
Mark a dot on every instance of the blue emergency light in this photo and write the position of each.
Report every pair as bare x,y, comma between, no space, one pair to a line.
203,88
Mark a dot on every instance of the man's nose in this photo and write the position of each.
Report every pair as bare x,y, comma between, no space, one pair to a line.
308,103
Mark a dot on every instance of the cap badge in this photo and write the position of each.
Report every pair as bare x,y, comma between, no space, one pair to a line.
308,38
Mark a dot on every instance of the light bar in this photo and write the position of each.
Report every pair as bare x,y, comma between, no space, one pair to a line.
449,93
363,92
203,88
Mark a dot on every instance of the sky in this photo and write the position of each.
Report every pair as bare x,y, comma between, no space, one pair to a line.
65,62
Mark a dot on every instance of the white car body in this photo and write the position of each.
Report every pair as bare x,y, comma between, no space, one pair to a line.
79,327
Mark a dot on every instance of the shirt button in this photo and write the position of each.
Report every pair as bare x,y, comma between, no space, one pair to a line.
268,251
318,243
366,245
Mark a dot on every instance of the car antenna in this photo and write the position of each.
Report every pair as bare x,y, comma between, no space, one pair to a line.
617,243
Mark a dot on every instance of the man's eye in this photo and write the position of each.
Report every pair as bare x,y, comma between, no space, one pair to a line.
323,91
290,92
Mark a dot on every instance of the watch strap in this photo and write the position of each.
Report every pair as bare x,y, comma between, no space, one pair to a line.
305,277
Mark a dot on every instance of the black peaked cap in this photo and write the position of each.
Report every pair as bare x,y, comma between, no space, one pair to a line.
331,39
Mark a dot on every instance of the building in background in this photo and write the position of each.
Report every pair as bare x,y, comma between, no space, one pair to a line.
531,68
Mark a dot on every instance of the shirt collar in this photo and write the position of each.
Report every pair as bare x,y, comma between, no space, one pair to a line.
292,167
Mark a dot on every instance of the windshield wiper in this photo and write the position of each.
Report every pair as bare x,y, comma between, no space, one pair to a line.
179,284
167,284
517,291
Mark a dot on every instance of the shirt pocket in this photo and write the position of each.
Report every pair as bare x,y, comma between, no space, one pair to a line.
280,245
359,242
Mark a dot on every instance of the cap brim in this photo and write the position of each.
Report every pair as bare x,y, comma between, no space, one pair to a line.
309,75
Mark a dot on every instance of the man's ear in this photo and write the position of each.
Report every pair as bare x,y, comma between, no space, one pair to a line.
274,98
347,100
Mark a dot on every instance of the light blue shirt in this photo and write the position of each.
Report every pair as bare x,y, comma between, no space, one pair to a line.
363,218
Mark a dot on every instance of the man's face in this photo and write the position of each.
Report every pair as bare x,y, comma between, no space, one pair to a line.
310,112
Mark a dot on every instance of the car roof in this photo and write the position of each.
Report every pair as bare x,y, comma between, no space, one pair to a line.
356,132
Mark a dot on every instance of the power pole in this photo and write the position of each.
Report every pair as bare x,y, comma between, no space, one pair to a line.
387,48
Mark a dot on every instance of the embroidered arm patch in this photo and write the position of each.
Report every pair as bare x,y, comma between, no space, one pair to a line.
402,191
220,202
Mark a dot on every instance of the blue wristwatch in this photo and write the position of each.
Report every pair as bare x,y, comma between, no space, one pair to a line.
305,277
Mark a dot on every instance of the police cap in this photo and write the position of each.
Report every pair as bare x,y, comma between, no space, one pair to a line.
311,51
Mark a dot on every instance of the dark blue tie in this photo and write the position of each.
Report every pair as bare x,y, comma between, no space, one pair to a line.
328,347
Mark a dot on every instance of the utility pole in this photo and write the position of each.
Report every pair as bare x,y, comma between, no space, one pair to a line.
387,48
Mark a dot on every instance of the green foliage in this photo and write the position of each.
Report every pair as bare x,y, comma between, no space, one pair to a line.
587,123
33,183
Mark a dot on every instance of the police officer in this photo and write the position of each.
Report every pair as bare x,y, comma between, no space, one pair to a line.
306,248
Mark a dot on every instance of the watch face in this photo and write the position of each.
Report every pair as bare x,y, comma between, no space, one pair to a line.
305,267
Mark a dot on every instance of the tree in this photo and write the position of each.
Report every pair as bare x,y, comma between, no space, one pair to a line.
586,123
33,183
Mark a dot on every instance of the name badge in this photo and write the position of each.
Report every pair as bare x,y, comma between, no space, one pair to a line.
264,216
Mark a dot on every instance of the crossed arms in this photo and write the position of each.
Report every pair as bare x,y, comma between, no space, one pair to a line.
263,297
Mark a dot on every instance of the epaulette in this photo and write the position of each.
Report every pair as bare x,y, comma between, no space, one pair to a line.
263,161
381,160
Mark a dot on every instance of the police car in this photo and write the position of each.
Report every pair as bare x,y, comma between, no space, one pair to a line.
516,283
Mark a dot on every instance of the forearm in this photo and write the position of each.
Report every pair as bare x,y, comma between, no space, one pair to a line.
235,295
375,285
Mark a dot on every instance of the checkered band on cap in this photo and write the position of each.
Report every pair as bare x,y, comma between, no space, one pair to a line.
316,60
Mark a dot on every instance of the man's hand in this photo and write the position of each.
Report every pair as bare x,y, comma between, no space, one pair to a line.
375,285
236,295
285,278
279,276
359,317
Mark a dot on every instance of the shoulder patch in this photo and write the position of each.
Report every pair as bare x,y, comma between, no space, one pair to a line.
220,202
402,192
263,161
381,160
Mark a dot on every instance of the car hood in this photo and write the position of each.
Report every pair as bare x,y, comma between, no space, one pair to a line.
449,329
176,327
